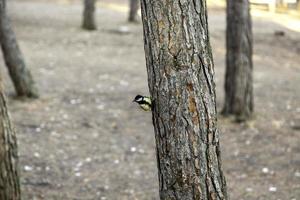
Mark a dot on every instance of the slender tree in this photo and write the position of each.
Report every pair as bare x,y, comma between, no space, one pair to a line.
180,77
239,67
13,57
9,177
89,22
133,10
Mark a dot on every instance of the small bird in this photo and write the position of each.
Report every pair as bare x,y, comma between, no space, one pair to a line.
144,102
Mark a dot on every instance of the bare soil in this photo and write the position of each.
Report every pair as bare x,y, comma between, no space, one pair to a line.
85,140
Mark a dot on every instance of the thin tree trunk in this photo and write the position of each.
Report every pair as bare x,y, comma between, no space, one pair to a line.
89,21
20,75
9,176
180,76
239,66
133,10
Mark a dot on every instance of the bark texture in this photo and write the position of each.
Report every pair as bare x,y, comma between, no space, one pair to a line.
20,75
239,66
133,10
89,21
9,176
180,76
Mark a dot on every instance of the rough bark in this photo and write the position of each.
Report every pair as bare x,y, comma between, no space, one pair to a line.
89,21
180,77
20,75
9,176
238,80
133,10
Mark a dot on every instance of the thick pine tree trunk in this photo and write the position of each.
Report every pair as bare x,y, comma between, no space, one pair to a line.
9,176
180,76
89,21
13,57
238,80
133,10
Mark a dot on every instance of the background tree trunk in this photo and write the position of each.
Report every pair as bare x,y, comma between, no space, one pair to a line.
180,75
9,176
238,80
133,10
89,21
13,57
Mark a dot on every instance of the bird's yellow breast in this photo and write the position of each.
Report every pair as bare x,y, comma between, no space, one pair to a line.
148,100
145,107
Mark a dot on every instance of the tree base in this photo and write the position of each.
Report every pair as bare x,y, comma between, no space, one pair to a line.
89,27
239,117
31,95
133,20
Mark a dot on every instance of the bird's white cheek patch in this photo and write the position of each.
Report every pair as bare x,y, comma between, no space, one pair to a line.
139,99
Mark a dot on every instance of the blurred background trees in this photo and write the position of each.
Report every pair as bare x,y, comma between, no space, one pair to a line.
239,65
134,6
89,21
19,73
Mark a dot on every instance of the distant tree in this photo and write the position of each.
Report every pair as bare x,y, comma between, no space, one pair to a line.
9,175
20,75
180,77
239,66
89,21
133,10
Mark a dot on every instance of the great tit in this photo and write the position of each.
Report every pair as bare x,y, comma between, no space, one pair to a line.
144,102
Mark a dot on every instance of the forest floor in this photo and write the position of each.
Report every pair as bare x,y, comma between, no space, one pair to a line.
84,139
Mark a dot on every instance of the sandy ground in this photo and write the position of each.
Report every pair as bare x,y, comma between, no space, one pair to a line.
85,140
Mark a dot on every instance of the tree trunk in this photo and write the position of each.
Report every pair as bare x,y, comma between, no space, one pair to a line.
133,9
180,76
13,57
89,21
9,176
238,83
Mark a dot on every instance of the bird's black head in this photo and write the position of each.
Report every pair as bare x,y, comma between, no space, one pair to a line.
138,98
